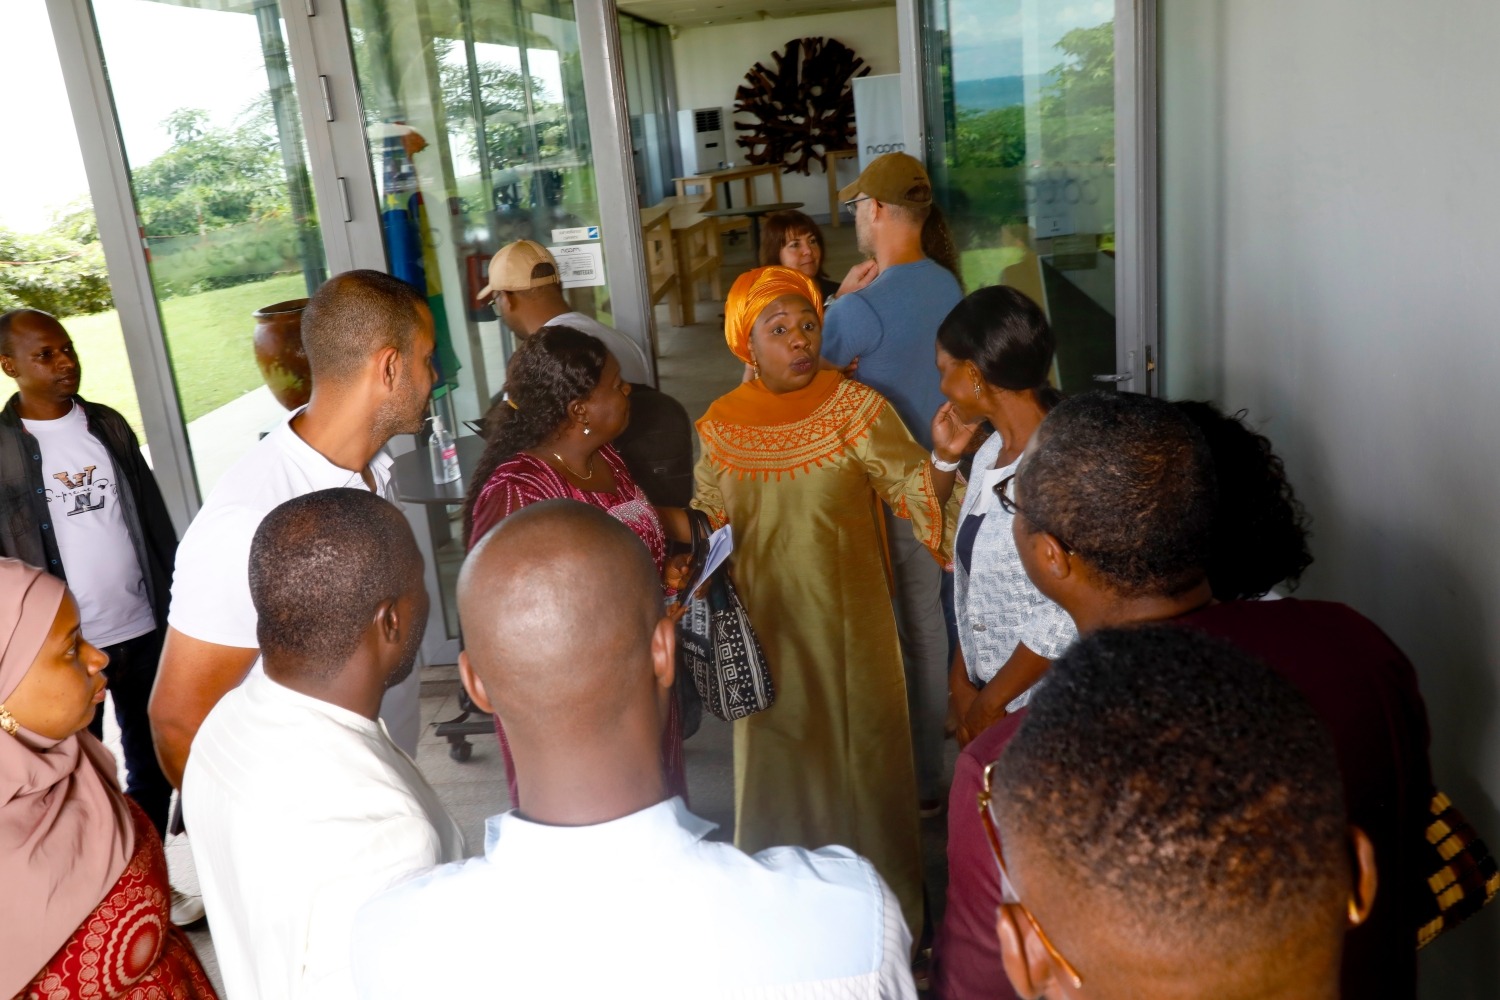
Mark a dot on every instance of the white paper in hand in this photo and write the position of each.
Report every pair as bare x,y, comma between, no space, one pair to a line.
720,545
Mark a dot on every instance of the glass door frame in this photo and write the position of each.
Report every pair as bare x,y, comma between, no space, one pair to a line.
322,60
1137,292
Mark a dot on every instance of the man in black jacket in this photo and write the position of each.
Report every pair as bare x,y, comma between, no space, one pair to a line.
78,500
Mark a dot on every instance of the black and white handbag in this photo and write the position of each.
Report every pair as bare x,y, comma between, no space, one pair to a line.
717,644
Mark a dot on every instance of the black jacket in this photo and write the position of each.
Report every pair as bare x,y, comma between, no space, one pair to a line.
26,525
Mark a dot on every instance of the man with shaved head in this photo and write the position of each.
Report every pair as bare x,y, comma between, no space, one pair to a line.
603,885
369,343
301,806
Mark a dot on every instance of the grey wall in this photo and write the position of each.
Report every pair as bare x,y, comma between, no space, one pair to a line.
1331,261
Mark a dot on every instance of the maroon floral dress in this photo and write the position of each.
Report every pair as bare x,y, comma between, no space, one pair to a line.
522,480
127,949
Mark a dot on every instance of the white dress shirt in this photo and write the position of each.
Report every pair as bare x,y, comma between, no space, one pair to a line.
641,906
299,812
211,583
628,354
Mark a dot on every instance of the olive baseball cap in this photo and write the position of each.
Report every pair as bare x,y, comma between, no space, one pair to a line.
518,266
893,178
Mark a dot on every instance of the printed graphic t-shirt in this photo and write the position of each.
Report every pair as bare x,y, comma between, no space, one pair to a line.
83,508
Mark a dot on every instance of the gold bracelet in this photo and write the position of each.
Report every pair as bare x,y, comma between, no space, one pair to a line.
8,721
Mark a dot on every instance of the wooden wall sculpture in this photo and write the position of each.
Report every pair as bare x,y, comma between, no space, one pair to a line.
803,108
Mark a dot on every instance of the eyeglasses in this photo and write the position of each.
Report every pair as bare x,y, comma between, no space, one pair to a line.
1007,889
849,205
1008,503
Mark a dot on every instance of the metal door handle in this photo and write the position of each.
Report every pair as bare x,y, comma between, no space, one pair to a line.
1115,377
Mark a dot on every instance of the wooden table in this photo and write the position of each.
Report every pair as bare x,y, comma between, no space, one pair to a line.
661,260
753,213
698,255
831,167
711,181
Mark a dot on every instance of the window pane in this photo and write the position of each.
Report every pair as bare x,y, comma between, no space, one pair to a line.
1021,111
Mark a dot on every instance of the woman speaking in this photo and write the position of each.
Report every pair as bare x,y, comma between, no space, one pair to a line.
798,460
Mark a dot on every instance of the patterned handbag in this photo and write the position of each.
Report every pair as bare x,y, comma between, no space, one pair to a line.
717,645
1461,874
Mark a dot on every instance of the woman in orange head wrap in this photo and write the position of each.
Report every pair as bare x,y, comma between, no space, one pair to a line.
799,458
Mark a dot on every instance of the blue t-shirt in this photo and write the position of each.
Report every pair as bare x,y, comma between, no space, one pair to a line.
891,326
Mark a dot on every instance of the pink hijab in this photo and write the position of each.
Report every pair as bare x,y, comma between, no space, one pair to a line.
65,829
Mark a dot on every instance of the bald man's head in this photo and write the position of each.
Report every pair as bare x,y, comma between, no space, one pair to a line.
559,605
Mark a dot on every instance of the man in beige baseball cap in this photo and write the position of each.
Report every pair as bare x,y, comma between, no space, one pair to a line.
527,288
886,316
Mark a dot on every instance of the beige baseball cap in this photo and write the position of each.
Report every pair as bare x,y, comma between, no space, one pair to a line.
895,179
518,266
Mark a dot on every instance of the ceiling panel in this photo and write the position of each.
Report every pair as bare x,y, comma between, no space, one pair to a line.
697,13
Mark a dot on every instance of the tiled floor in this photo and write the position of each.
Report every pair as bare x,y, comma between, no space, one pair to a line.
695,367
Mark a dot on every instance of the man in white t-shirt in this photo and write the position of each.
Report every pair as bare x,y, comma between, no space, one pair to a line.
528,296
301,807
601,885
369,342
78,500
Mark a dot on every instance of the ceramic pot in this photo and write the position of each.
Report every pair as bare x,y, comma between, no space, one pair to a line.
279,353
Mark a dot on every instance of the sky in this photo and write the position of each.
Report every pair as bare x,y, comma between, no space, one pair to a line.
150,49
990,36
219,52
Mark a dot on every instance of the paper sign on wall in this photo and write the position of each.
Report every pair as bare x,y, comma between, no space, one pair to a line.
580,265
575,235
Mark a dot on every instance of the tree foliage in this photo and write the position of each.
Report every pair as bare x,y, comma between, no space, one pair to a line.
51,272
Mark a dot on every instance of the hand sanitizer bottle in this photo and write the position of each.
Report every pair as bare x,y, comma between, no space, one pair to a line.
442,451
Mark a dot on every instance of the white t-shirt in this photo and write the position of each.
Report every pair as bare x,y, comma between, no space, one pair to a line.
83,506
628,354
642,906
211,585
300,811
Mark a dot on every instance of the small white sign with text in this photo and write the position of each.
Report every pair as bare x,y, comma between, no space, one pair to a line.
580,265
575,235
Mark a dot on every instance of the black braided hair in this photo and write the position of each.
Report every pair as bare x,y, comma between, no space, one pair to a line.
552,369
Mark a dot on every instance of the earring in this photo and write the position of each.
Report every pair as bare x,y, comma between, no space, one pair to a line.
755,368
976,388
586,431
1355,919
8,722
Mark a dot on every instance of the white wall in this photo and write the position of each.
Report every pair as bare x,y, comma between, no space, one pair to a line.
711,62
1331,254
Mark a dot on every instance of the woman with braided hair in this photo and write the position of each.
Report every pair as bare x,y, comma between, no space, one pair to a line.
550,438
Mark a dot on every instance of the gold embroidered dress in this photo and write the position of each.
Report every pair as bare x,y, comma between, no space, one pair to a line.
798,476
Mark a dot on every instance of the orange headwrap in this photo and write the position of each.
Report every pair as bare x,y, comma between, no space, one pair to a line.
752,292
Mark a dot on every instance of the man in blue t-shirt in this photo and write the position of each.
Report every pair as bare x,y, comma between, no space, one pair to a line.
890,325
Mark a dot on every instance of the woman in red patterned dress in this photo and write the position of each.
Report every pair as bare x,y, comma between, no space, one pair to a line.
81,867
550,439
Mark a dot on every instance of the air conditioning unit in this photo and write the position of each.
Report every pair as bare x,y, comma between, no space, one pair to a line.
701,132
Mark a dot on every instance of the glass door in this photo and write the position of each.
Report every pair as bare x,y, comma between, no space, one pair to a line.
204,99
1020,111
478,135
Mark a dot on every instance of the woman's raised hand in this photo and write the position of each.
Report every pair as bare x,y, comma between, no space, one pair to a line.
950,435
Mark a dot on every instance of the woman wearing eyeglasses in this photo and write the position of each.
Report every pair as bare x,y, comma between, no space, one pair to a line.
994,351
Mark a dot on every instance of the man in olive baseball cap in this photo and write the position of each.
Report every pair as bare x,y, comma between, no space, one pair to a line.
527,286
890,325
893,179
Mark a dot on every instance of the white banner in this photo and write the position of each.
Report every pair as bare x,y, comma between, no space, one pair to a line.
877,117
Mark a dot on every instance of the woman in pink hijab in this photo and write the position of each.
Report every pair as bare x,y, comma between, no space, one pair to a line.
81,867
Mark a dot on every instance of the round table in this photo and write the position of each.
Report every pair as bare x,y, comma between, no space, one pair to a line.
753,213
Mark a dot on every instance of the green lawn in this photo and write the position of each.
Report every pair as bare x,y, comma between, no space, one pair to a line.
208,339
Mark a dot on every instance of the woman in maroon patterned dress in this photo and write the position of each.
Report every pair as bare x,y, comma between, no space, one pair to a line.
88,908
550,439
